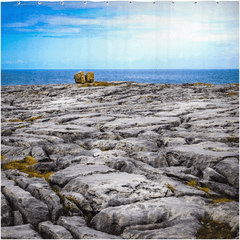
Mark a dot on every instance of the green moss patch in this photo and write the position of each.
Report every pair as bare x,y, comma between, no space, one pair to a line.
214,230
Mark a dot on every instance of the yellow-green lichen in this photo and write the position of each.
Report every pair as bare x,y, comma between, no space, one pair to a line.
21,127
233,139
170,187
15,120
33,118
97,84
232,94
206,190
202,84
2,157
213,229
221,199
192,183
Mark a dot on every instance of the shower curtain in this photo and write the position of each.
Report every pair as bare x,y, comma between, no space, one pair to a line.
119,119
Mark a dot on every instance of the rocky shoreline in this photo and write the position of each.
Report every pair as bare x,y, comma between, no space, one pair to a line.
120,160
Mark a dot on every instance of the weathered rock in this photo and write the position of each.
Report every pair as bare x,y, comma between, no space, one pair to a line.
79,77
6,212
89,78
153,159
39,188
220,188
230,169
39,154
210,174
226,212
123,155
72,208
17,218
177,229
33,210
50,231
20,232
114,189
135,144
64,176
78,228
114,220
78,199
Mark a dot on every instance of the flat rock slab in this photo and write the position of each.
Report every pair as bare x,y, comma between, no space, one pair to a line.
178,229
19,232
62,177
114,220
114,189
50,231
79,230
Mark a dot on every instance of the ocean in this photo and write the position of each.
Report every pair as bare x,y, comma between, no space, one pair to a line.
32,77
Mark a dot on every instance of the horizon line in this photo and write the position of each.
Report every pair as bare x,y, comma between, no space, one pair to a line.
121,69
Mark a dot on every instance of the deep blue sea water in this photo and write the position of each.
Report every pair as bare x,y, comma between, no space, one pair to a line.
29,77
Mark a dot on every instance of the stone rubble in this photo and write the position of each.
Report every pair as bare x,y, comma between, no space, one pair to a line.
131,160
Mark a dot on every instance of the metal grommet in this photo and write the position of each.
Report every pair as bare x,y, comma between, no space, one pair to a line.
217,2
195,2
154,2
172,2
18,3
130,2
39,3
106,2
85,2
61,3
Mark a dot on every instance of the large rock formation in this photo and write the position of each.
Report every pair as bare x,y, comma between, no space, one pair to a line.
131,160
81,78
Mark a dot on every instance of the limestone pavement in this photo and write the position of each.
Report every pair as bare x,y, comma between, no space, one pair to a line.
131,160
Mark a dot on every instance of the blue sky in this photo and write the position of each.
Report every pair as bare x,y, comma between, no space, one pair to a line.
119,35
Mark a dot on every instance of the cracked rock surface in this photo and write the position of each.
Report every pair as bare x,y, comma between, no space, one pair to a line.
132,160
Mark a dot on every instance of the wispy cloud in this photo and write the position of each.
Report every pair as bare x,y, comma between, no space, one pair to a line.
14,62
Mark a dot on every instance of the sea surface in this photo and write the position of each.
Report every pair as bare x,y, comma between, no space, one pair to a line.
32,77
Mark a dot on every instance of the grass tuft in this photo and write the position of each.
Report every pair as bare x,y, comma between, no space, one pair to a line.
25,166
